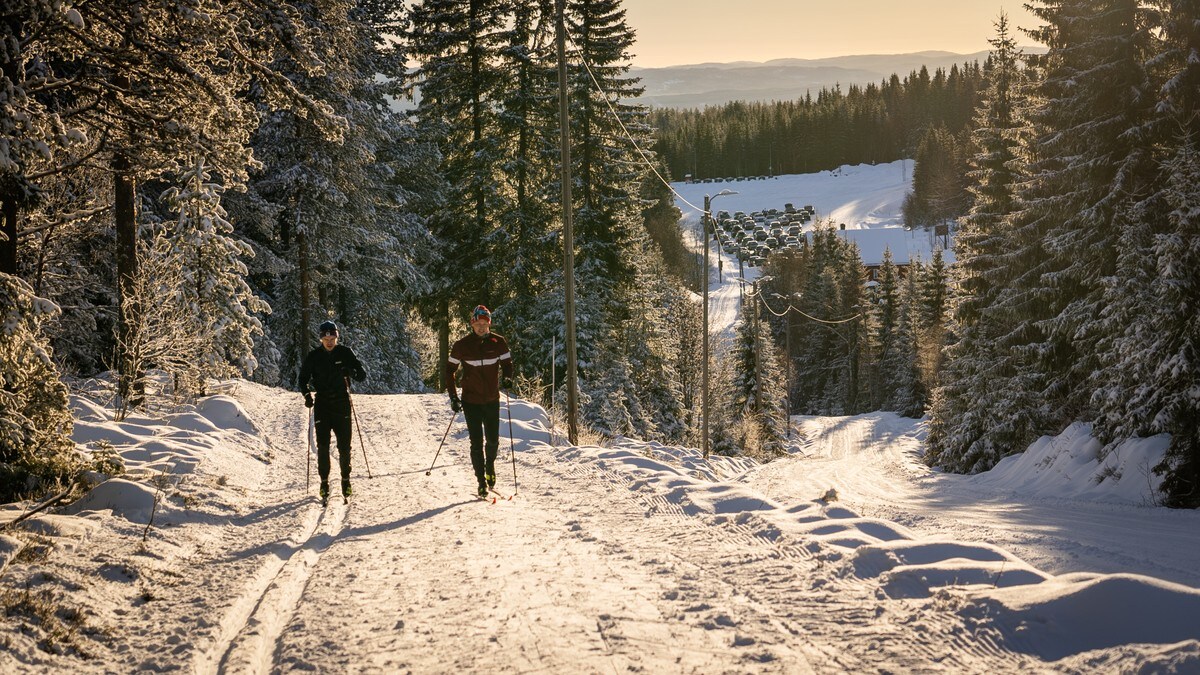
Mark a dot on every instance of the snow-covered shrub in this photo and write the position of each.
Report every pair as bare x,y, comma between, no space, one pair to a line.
35,422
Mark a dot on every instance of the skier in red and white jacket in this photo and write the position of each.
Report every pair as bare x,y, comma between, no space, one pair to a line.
483,356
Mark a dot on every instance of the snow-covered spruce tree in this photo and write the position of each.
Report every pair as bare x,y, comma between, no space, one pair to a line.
725,418
1178,252
1088,165
38,125
213,289
614,251
788,271
35,421
344,235
907,392
854,330
967,404
1151,359
931,320
757,391
531,247
821,354
1175,354
148,84
687,350
457,48
650,349
609,403
886,310
386,275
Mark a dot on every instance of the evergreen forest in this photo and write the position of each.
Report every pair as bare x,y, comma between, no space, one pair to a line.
188,189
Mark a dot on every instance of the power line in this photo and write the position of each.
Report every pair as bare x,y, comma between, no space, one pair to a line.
650,165
793,308
625,130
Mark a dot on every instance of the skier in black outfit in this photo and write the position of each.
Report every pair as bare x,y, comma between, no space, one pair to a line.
328,369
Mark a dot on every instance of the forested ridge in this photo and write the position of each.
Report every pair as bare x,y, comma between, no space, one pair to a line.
863,124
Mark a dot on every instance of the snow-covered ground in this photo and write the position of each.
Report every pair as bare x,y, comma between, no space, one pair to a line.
862,197
212,554
631,557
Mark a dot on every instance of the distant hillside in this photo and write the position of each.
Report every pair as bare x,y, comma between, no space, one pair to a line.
695,86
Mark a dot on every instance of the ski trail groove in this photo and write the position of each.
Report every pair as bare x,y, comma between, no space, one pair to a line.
252,624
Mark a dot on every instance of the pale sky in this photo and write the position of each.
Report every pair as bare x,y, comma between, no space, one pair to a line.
676,32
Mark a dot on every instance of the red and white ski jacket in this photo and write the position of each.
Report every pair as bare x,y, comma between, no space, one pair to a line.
482,359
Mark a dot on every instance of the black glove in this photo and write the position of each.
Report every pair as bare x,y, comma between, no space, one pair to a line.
308,400
506,383
455,404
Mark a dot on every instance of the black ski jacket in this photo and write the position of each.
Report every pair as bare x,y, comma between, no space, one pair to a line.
325,372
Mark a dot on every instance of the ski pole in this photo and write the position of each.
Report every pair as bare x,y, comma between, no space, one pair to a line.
308,470
512,451
361,444
439,450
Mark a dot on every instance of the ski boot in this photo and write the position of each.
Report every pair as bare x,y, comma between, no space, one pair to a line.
324,492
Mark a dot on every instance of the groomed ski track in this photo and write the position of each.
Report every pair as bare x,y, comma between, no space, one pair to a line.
585,570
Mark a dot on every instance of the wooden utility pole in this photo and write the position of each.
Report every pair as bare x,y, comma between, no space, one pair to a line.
564,136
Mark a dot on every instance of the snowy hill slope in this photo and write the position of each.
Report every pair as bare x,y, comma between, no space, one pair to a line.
634,557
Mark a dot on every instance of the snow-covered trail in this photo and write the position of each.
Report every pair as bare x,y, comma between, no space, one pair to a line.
585,570
633,557
872,460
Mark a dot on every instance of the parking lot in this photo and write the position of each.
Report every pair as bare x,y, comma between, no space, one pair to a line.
751,237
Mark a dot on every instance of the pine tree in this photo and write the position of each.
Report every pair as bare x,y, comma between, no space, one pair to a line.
614,250
333,214
937,195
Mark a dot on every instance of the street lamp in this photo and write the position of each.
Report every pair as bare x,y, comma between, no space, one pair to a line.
704,354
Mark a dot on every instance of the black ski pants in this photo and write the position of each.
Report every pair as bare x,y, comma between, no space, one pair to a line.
483,420
334,419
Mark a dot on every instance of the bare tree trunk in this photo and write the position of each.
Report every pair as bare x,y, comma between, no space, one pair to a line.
8,202
443,343
303,336
8,243
125,222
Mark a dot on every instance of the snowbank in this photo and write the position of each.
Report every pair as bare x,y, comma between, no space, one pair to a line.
1033,611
